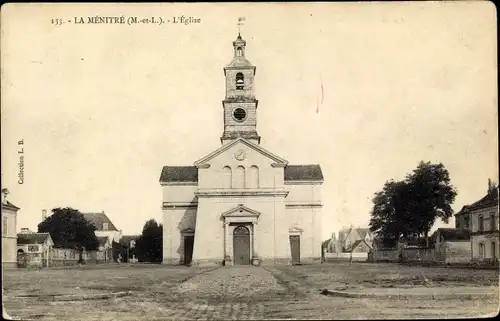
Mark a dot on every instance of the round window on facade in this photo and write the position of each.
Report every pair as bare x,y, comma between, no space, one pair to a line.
239,114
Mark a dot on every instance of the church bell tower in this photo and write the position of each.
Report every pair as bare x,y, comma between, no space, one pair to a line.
240,105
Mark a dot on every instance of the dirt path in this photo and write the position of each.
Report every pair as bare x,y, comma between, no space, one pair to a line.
240,293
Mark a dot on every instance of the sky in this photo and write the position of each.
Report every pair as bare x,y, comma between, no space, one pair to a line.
101,108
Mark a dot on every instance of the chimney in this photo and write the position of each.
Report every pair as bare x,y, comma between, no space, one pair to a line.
25,230
492,186
44,214
5,192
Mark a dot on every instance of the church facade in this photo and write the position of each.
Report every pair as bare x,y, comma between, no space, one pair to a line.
241,204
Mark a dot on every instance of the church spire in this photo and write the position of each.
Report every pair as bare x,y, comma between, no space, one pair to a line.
240,105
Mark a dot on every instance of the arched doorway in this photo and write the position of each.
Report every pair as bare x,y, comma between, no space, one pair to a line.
21,258
241,245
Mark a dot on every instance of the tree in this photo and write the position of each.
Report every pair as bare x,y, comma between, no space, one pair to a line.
389,216
431,196
68,228
150,243
410,207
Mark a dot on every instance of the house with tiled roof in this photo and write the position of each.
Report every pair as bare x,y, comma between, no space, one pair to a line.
9,237
34,249
104,226
106,233
241,204
348,238
483,217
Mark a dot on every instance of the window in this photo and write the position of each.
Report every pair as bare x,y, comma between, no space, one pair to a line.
239,179
481,250
33,248
493,222
226,177
481,223
4,225
240,81
239,52
253,177
104,226
493,250
241,230
466,222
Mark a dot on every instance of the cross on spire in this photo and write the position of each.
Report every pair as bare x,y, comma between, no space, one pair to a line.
240,23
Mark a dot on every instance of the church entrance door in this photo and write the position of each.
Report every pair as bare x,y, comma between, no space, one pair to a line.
188,249
295,247
241,245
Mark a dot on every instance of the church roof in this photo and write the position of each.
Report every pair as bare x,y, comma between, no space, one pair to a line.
303,173
279,161
179,174
190,173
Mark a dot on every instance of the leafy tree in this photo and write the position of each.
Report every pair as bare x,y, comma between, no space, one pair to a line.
150,243
410,207
388,213
431,196
68,228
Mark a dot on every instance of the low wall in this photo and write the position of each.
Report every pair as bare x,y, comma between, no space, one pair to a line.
445,253
458,252
356,256
383,256
420,254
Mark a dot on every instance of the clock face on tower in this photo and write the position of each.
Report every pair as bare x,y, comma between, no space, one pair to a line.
240,155
239,114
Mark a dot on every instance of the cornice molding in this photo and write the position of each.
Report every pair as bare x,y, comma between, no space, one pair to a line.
304,205
178,205
179,183
239,192
275,165
295,230
303,182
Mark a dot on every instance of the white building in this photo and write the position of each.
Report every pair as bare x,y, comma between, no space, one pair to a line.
241,204
9,237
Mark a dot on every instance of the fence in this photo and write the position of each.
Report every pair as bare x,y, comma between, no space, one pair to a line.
333,257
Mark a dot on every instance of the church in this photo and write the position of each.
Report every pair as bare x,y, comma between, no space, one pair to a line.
241,204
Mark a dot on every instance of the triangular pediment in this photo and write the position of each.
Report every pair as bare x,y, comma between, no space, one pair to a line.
204,162
241,211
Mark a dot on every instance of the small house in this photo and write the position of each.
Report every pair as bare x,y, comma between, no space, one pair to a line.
34,249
